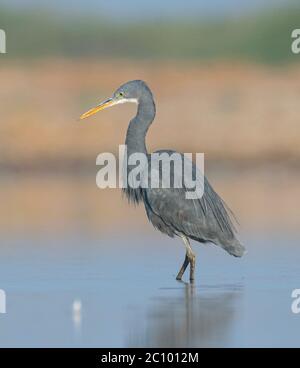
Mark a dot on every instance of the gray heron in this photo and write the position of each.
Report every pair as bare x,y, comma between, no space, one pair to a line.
206,219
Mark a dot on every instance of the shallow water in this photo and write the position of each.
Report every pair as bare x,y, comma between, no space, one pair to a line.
129,295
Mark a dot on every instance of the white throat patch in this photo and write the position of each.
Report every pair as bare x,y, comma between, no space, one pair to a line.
124,100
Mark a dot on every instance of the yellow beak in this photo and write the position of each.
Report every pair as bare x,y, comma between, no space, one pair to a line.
103,105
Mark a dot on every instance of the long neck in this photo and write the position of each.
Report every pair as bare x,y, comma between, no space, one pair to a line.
139,125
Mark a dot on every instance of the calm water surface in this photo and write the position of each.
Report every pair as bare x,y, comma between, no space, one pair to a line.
129,296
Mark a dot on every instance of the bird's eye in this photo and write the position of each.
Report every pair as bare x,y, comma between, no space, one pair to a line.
121,94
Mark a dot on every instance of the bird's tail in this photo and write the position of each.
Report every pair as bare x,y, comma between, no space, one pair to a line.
235,248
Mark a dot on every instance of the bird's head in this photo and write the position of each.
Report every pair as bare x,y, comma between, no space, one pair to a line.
132,91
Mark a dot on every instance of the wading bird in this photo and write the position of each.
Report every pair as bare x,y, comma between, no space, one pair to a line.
205,219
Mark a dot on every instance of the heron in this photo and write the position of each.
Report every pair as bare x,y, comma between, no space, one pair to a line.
206,220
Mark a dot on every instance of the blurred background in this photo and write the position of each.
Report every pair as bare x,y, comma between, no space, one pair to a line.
225,82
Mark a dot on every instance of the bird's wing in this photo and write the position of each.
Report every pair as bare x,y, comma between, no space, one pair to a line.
205,218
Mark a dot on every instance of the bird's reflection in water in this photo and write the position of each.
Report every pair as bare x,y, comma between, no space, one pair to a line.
199,317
